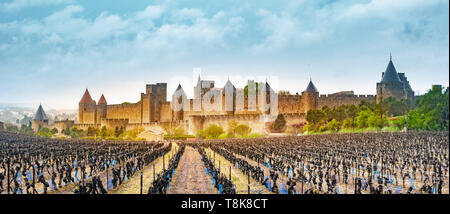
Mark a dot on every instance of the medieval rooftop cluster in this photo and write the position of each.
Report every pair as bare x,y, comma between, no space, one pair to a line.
153,109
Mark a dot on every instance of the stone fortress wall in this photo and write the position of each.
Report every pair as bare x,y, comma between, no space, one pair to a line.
332,100
131,111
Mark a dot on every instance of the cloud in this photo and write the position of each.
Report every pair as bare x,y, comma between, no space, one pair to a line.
151,12
78,44
283,31
16,5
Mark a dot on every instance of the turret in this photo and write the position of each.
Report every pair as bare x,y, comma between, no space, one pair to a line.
40,119
86,109
393,85
310,97
101,109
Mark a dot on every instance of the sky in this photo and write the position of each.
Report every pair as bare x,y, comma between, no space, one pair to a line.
52,50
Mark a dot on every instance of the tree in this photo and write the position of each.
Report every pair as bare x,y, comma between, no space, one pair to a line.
118,131
280,124
133,133
314,116
432,112
170,129
339,113
399,122
364,105
333,125
91,131
54,131
76,133
231,128
104,132
327,113
24,129
44,132
213,131
374,120
361,119
381,109
242,130
66,131
348,123
396,107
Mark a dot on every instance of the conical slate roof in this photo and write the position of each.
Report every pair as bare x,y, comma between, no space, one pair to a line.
102,100
86,98
40,114
180,90
267,87
228,84
311,87
179,87
390,75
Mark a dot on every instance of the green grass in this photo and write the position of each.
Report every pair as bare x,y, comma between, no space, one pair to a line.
356,130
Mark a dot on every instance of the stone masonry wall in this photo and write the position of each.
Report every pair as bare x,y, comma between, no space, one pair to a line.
131,111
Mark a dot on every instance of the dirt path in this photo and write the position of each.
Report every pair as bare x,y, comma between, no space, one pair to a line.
190,177
133,184
237,177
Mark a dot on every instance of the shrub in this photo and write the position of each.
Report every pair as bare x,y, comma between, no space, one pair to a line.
279,125
333,125
242,130
213,131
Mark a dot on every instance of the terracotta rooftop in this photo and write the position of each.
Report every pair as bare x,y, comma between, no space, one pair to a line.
102,100
86,98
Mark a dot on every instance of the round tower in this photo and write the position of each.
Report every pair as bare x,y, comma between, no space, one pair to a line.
40,119
86,109
390,85
310,97
101,109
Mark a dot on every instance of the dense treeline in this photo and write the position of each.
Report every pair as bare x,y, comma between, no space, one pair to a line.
432,112
429,112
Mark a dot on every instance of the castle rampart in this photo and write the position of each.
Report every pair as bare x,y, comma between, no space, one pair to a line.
333,101
209,106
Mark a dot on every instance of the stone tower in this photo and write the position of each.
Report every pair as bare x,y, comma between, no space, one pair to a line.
157,96
101,109
310,97
393,84
40,119
87,109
